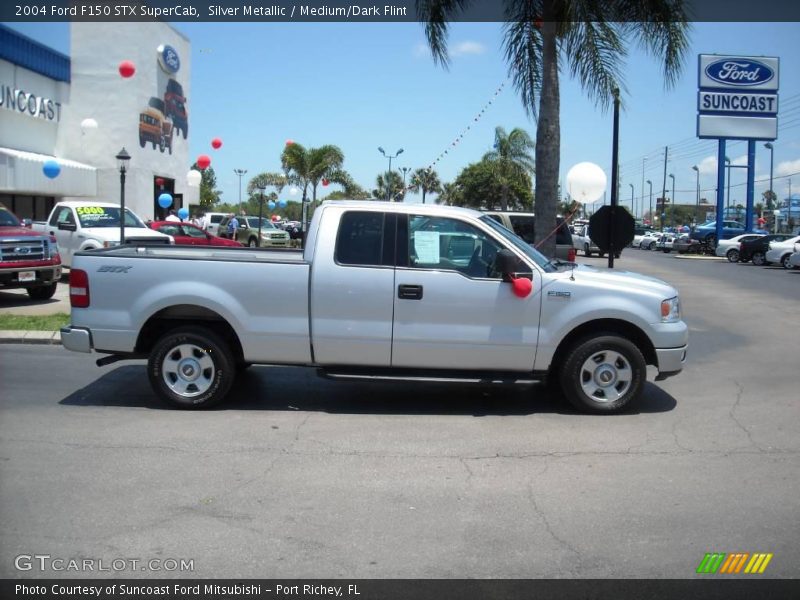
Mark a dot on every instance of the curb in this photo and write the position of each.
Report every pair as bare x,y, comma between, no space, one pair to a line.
698,257
15,336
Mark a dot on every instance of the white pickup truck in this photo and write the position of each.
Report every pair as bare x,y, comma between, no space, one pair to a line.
79,226
380,290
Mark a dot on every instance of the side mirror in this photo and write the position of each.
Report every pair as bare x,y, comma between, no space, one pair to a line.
27,223
67,226
505,263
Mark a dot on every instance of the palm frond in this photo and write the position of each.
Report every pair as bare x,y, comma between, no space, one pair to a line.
522,45
436,14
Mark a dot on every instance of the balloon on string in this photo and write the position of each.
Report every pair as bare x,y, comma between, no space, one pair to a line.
159,181
521,286
203,161
325,182
276,218
586,182
216,143
193,178
282,203
88,125
127,68
51,168
183,214
165,200
271,205
289,142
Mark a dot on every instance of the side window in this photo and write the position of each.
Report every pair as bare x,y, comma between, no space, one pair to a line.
563,235
194,232
64,215
360,239
170,230
452,245
523,227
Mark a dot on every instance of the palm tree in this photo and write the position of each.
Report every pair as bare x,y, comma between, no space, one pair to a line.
426,180
389,186
306,168
510,159
588,37
448,195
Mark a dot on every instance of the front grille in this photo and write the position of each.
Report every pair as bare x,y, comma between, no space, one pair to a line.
277,236
20,250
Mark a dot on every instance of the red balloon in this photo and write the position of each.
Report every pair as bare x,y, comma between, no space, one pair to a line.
275,218
325,182
289,142
127,68
203,161
216,143
522,287
159,181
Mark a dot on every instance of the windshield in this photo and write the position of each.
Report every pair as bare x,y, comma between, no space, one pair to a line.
7,219
252,223
516,241
105,216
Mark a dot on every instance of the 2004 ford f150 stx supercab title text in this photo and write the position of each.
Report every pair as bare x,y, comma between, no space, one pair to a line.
380,290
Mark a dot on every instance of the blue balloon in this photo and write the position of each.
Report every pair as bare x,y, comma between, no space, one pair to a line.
51,168
282,203
165,200
271,205
183,214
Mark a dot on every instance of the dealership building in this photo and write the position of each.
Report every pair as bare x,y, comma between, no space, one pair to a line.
125,85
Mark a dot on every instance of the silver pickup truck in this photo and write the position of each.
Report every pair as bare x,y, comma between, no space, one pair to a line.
380,290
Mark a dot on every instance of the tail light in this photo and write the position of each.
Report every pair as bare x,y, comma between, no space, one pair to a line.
78,288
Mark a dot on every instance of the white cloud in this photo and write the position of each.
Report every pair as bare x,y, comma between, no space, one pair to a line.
787,167
421,50
740,161
464,48
708,166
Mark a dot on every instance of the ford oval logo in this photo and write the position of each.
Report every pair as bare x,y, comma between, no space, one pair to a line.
22,250
737,72
168,59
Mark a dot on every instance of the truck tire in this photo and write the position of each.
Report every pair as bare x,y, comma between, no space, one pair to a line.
42,292
603,373
191,367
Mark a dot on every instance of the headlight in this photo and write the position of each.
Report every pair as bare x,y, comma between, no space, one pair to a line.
110,244
671,310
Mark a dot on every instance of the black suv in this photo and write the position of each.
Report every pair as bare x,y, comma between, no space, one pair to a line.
756,250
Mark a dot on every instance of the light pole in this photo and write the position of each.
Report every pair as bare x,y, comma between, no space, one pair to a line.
404,170
261,189
390,157
771,149
632,208
672,219
650,183
240,173
696,169
122,161
728,175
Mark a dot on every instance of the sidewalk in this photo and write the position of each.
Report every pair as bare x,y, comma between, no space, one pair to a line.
18,336
17,302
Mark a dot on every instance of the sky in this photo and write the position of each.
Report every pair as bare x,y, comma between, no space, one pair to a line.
364,85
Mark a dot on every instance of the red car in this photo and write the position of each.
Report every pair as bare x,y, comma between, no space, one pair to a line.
28,259
186,234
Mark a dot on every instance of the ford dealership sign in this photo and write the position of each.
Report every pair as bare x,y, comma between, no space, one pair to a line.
739,72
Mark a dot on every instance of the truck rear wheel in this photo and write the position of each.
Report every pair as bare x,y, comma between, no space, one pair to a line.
42,292
191,367
603,374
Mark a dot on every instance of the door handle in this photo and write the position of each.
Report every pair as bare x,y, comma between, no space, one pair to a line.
409,292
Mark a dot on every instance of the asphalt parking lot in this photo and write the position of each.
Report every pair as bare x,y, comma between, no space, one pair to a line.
297,476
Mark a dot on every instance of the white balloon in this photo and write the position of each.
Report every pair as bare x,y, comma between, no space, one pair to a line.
193,178
586,182
294,191
88,125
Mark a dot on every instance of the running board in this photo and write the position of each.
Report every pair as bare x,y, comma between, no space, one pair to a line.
448,377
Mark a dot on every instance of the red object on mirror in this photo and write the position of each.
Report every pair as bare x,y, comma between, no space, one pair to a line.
325,182
127,68
571,254
216,143
203,161
522,287
159,181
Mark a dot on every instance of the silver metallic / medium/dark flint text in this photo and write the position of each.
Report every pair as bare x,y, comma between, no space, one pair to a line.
46,562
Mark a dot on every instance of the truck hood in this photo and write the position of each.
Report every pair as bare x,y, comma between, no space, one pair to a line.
623,280
19,232
111,234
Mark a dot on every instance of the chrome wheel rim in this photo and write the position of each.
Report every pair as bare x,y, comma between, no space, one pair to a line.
606,376
733,256
188,370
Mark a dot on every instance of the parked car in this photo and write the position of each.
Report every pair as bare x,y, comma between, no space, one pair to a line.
665,242
730,248
186,234
707,232
639,234
522,224
685,244
382,289
29,259
210,221
779,252
794,259
756,250
247,234
293,229
79,225
650,240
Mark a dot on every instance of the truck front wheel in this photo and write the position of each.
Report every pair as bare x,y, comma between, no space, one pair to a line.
191,367
42,292
602,374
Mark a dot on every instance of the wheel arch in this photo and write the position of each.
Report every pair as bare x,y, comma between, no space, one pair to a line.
181,315
604,326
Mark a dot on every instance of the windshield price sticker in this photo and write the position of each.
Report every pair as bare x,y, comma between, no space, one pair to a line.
90,210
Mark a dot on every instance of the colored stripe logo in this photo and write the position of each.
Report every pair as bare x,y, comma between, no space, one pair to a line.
734,563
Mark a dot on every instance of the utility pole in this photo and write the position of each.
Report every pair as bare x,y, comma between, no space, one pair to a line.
664,190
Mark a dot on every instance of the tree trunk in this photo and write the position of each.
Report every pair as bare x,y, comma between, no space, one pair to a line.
504,198
548,139
423,194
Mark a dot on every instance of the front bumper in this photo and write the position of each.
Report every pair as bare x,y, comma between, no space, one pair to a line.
76,339
670,361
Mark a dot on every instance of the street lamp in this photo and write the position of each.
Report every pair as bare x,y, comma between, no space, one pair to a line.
261,187
769,146
123,158
404,170
696,169
632,208
672,220
650,183
240,173
390,157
